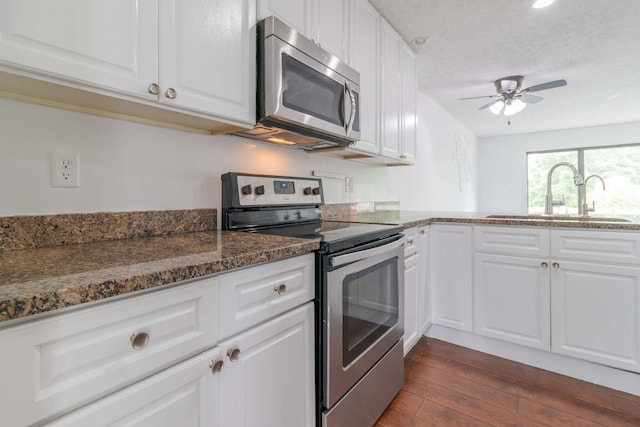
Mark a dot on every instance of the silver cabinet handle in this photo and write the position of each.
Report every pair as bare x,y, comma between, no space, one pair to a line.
153,89
352,116
280,289
233,354
544,265
357,256
555,265
421,232
139,340
216,366
171,93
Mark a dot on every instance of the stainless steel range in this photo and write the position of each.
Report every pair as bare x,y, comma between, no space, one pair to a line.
359,292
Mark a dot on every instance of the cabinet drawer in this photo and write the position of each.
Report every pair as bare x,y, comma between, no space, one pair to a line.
256,294
64,361
599,246
512,240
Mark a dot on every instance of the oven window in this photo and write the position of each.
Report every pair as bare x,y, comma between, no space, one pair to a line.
369,307
310,92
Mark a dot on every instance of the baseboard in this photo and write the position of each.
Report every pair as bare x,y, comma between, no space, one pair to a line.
617,379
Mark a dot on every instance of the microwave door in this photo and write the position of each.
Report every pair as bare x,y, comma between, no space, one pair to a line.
301,90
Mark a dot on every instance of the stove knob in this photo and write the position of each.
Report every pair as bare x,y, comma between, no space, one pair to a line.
307,191
316,191
246,190
260,190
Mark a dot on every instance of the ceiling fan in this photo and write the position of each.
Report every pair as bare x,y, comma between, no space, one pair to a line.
511,99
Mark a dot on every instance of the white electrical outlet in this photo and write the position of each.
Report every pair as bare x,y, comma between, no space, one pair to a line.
348,184
65,169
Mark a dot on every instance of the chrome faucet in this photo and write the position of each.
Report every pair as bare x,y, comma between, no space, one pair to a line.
549,202
585,206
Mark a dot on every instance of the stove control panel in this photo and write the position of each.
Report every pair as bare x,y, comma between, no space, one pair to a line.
245,190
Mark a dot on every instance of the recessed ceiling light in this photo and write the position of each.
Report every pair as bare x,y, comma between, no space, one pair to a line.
420,41
539,4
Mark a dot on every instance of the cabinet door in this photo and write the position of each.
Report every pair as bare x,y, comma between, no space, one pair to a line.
424,285
512,299
596,313
409,114
364,48
332,22
411,333
296,13
451,276
186,395
207,57
390,94
271,381
111,44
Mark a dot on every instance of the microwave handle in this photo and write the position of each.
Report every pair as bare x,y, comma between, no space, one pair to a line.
352,116
360,255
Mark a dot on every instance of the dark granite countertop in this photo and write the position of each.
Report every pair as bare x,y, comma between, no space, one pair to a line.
416,218
39,280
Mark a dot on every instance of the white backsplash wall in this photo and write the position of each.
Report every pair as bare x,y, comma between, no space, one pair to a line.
444,177
126,166
503,160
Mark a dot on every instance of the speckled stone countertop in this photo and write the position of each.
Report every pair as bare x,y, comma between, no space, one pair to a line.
38,280
416,218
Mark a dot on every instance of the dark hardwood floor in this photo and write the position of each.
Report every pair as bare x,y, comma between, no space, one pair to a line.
448,385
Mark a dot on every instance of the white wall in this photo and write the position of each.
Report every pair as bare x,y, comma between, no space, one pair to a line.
503,160
126,166
444,177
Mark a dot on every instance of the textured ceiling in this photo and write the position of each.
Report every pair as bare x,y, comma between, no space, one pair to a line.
593,44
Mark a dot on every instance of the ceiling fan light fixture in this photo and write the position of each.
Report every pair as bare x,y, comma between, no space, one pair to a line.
539,4
514,107
497,107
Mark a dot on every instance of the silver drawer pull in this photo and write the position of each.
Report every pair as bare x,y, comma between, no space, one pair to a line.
153,89
139,340
544,265
216,366
171,93
280,289
233,354
555,265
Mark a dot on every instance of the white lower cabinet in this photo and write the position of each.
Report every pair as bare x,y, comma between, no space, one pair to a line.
595,307
512,299
262,377
424,285
271,383
511,285
160,359
411,306
451,275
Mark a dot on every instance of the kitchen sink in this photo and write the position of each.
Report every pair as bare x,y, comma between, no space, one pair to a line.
559,218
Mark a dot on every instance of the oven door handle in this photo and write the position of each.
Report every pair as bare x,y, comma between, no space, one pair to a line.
360,255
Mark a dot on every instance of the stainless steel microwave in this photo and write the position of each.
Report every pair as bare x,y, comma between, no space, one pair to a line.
306,96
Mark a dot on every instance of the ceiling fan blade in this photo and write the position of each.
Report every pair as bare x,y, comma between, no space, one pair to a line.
478,97
490,104
545,86
530,99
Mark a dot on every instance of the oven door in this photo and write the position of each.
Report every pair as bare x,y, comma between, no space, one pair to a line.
365,294
303,91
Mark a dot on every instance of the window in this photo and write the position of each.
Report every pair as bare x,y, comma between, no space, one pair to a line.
617,194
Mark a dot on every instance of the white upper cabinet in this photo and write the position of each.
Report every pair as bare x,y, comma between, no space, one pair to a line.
332,26
391,96
207,59
364,37
408,79
296,13
110,44
136,59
